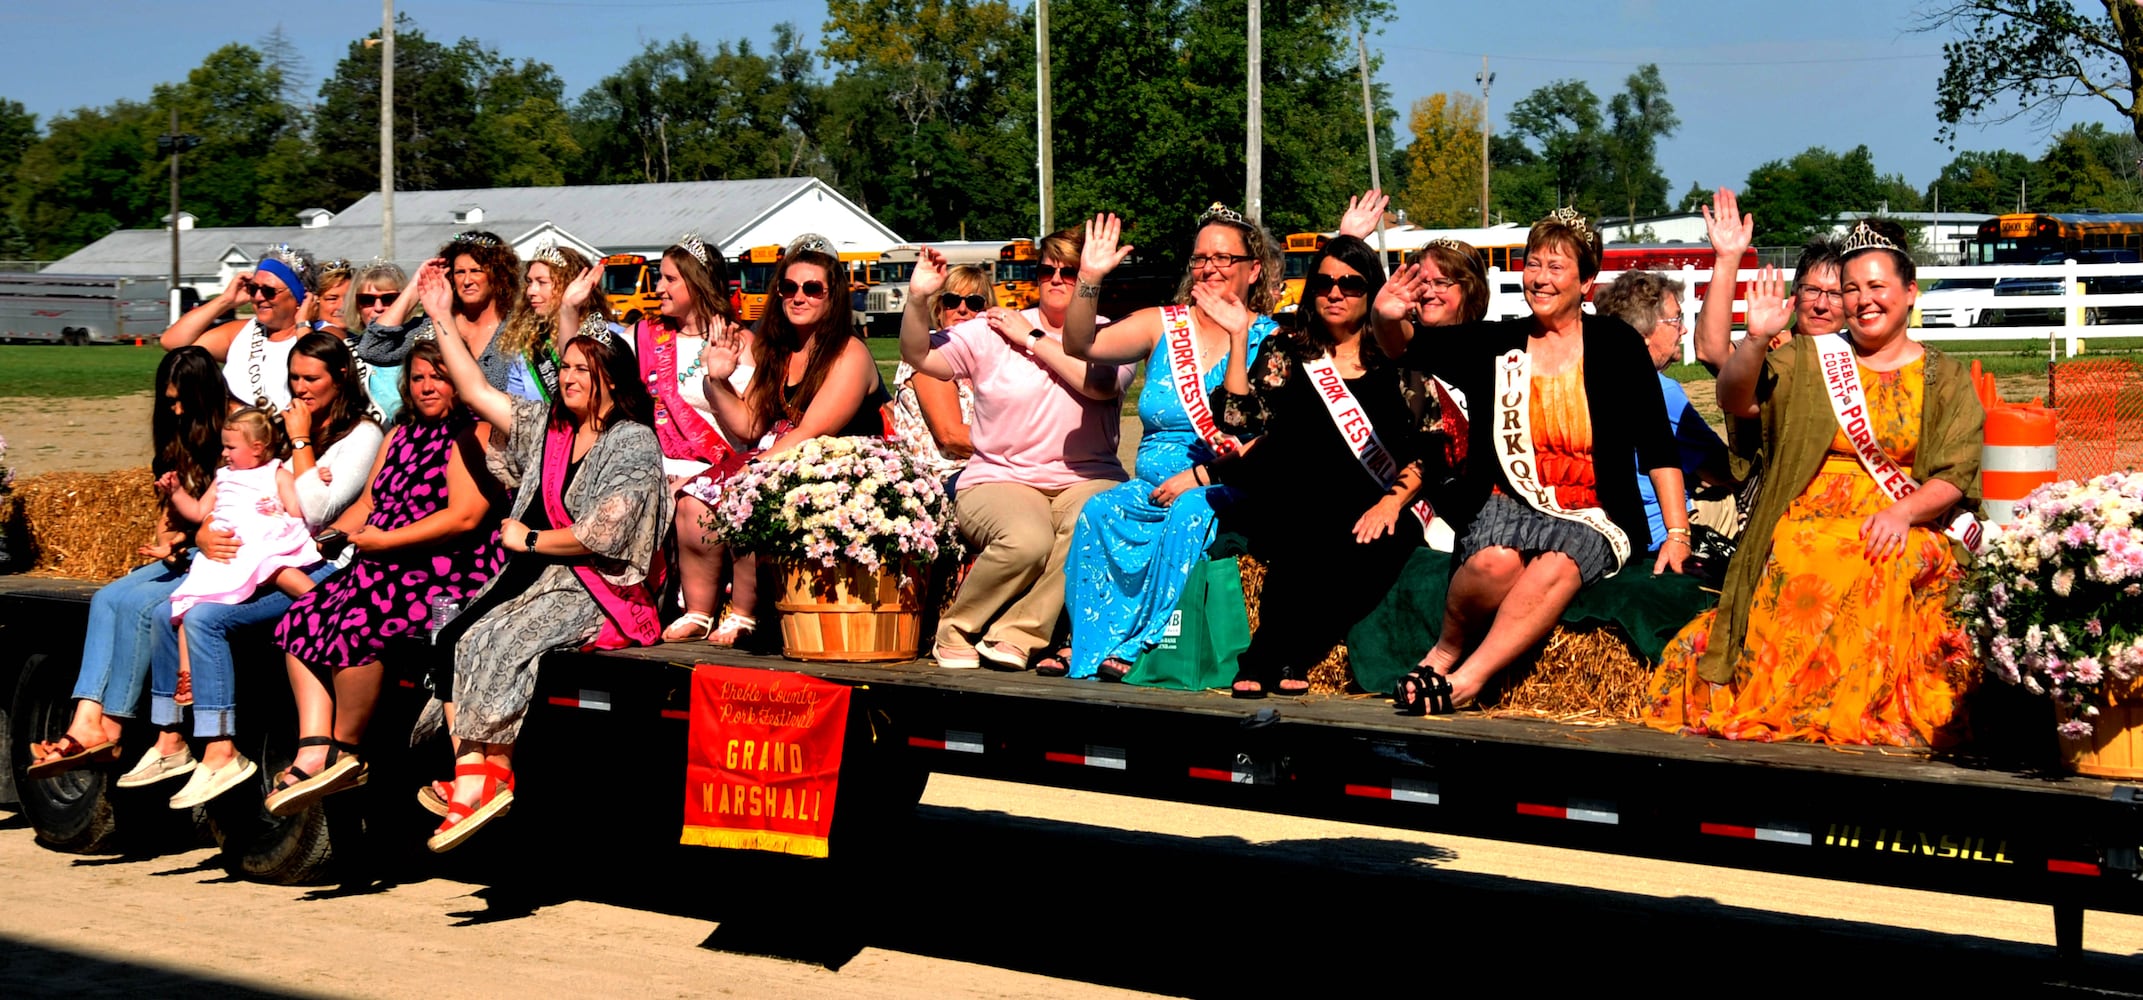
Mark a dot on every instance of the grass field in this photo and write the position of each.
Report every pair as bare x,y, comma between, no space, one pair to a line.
77,372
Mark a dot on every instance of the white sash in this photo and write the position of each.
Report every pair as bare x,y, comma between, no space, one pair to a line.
1848,403
1514,436
1361,437
1186,372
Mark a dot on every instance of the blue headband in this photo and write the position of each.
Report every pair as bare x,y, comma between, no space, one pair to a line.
283,271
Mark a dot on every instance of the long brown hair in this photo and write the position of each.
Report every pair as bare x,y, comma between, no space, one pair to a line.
620,374
709,285
498,260
778,340
349,406
1461,265
187,441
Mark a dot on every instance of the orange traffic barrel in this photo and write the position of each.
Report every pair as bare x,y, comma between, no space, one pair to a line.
2018,457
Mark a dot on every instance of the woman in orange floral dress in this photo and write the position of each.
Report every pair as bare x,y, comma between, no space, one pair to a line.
1835,621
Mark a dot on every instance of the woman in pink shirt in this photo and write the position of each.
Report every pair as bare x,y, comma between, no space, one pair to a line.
1045,434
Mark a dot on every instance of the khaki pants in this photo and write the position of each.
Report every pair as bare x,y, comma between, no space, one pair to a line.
1024,535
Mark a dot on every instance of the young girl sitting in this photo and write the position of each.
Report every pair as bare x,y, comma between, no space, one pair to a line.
255,497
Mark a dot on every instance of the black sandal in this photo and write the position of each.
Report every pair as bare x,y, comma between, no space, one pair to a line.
1055,664
1296,675
1242,677
288,797
1424,692
1113,669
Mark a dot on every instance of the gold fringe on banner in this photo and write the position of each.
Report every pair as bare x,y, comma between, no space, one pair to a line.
799,844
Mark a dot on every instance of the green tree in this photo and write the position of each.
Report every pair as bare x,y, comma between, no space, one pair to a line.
1561,125
234,102
2038,54
678,111
1985,181
1693,198
1796,198
95,171
2086,168
1638,118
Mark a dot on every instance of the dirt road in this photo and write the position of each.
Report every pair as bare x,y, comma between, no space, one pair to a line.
75,435
1007,890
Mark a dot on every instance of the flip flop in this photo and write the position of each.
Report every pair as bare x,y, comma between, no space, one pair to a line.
68,754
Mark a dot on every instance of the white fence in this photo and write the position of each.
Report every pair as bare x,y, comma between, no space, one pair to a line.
2083,313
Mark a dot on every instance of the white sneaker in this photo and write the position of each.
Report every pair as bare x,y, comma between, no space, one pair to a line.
206,784
155,767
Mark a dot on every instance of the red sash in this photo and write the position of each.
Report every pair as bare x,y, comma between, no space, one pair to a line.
628,612
681,430
1186,372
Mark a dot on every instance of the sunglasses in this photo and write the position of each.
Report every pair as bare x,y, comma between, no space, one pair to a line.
366,300
1350,285
811,289
1045,272
950,301
265,291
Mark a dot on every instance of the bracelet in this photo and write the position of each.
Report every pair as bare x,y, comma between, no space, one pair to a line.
1198,474
1684,532
1676,538
1087,291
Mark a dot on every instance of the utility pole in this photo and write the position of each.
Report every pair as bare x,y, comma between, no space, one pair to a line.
1486,79
1044,137
1369,118
386,130
174,142
1254,146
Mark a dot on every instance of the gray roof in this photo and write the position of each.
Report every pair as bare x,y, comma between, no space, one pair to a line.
201,251
612,216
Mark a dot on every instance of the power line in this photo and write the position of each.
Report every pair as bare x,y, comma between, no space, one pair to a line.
1698,62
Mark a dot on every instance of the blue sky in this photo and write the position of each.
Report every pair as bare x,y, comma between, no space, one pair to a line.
1751,81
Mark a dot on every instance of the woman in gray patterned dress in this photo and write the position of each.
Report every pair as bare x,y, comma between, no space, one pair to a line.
583,539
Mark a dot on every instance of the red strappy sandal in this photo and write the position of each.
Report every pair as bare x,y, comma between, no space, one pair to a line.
463,820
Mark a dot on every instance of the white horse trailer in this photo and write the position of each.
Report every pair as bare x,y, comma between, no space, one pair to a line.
82,308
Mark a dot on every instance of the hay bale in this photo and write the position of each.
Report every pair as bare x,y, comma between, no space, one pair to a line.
84,525
1590,673
1333,675
1253,572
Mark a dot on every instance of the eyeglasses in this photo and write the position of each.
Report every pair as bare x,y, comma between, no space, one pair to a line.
1673,321
366,300
974,303
812,289
265,291
1217,260
1441,285
1045,272
1812,293
1350,285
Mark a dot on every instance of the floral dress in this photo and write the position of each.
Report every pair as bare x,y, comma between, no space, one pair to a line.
1839,649
351,616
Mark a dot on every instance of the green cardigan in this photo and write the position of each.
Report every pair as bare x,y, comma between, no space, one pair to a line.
1791,436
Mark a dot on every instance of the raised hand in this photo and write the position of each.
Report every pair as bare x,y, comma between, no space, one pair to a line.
1222,307
433,290
582,290
1101,254
1769,306
1363,214
1731,232
928,278
725,345
236,290
1400,294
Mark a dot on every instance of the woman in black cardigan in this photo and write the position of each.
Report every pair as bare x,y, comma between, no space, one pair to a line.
1553,397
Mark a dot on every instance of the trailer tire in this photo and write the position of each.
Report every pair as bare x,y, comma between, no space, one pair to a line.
70,812
293,850
74,336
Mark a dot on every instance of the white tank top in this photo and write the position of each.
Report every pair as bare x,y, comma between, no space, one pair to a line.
256,367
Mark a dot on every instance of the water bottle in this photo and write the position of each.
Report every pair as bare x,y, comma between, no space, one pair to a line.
443,611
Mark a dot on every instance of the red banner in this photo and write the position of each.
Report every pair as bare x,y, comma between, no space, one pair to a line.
764,759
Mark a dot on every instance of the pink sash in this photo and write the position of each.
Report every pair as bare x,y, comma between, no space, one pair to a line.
629,612
681,430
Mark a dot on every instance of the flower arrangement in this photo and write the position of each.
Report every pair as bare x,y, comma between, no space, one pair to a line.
2053,599
836,498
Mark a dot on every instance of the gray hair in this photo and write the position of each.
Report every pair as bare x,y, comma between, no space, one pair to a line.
1635,297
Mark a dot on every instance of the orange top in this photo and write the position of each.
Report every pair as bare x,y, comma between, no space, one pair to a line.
1562,437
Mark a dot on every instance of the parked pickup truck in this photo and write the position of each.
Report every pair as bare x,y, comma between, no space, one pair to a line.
1948,824
1958,302
2117,284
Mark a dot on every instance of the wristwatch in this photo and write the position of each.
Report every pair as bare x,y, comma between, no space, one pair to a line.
300,444
530,545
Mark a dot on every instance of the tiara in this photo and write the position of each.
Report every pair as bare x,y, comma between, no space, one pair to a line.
1864,237
289,257
1447,243
1572,218
812,242
549,254
474,239
691,243
594,327
1221,212
332,266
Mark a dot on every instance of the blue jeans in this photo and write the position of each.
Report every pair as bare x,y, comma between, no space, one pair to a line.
123,618
208,648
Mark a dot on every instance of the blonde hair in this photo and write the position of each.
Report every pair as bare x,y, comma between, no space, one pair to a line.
526,331
379,272
970,277
259,427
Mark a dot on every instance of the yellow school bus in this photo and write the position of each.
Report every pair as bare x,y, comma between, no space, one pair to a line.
1016,287
1295,266
629,286
755,280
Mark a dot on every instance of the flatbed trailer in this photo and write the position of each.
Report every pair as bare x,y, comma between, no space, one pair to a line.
1860,816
